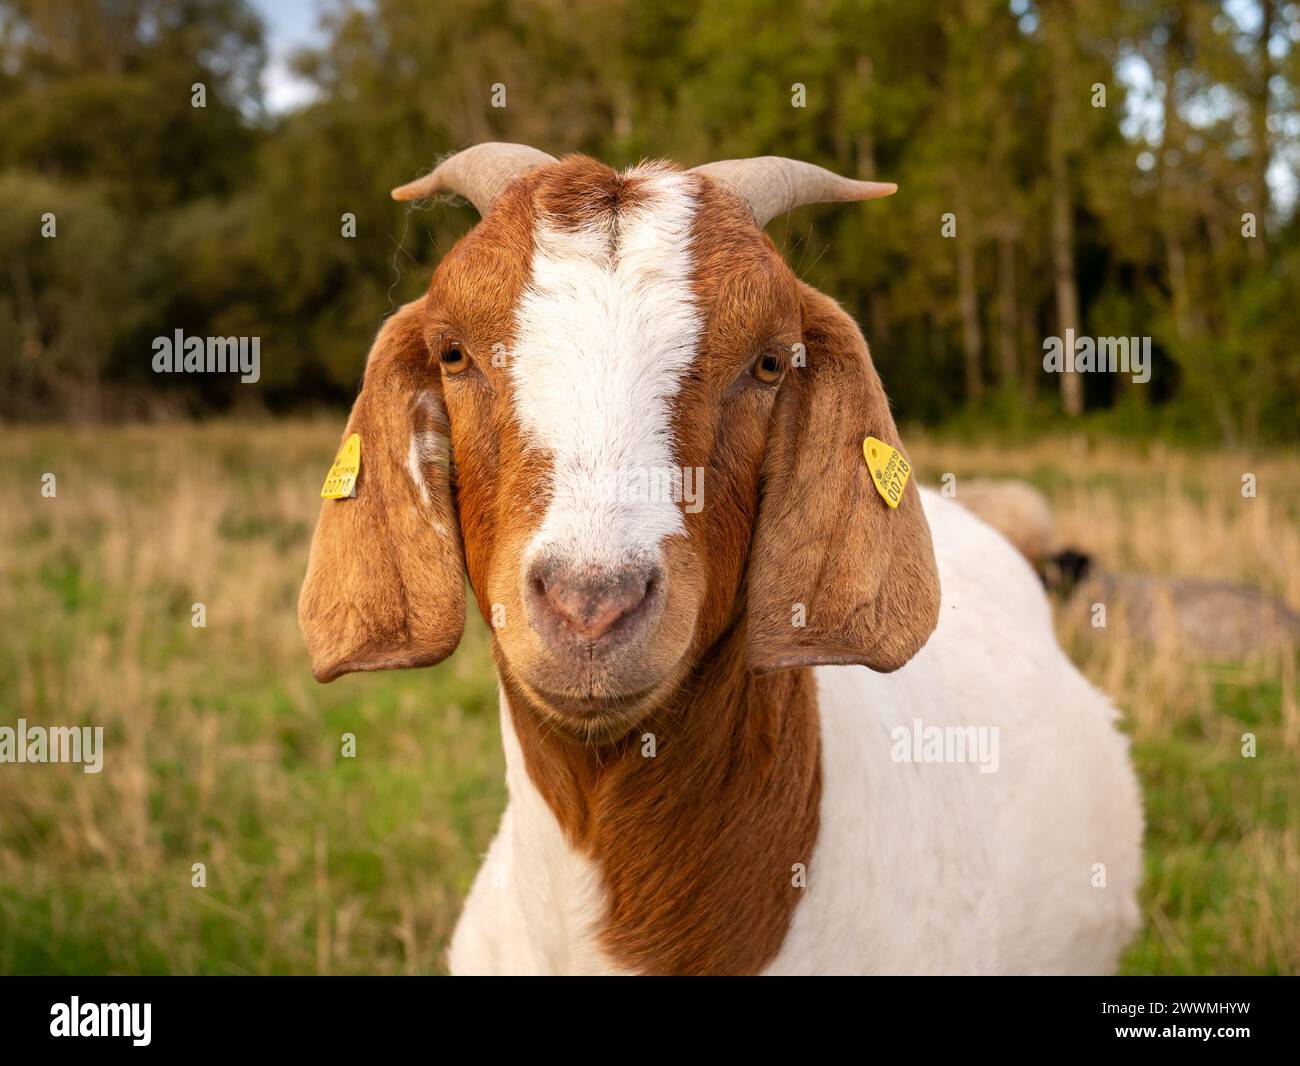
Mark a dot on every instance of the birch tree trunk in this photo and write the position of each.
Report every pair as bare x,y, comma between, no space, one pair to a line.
968,298
1008,314
1062,210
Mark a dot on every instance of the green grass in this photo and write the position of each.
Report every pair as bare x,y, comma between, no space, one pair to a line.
1221,855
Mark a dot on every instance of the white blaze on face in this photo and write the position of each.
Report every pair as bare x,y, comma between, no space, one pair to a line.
606,329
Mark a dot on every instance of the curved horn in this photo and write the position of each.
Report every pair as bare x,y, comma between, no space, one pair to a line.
480,174
772,184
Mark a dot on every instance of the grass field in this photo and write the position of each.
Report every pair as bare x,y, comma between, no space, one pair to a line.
221,750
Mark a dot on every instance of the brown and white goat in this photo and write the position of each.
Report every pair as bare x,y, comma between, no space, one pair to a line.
687,794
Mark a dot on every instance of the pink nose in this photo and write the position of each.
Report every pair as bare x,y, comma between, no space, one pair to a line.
587,603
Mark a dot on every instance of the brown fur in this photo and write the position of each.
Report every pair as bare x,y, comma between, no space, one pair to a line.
384,587
864,573
697,845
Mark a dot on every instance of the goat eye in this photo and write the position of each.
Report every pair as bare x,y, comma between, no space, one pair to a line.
769,368
453,359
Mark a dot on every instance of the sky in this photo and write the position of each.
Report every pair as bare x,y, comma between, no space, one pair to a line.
290,24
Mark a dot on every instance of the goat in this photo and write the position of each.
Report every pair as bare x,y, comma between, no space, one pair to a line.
1200,618
1214,620
1022,514
717,720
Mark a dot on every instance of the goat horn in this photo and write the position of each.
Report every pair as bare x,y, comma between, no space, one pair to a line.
772,184
480,174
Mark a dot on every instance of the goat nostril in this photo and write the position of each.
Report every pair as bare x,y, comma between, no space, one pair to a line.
589,605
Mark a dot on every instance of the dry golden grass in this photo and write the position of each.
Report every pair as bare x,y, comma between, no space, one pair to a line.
221,749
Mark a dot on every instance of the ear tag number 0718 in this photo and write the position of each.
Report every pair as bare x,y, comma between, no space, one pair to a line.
341,481
889,470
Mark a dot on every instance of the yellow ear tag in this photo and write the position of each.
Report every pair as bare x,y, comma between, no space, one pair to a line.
889,470
341,481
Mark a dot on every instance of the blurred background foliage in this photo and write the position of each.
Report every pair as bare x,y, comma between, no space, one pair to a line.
1122,220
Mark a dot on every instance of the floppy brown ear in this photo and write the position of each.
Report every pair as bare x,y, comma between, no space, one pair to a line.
385,585
828,551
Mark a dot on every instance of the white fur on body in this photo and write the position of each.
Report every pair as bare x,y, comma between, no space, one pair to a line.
918,867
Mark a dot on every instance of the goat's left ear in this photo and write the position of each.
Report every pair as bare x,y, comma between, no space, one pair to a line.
385,586
835,575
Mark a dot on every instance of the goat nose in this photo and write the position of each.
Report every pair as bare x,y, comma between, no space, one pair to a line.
588,603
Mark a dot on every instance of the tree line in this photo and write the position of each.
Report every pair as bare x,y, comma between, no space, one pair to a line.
1102,168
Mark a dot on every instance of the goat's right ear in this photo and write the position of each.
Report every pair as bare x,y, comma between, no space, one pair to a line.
836,576
385,586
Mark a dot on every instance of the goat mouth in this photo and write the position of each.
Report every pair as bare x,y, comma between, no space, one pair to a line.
587,706
596,716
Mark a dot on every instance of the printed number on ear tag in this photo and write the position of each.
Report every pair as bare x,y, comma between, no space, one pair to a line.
889,470
341,481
